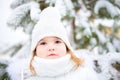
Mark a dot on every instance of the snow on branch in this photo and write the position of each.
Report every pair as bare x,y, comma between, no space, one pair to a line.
112,10
25,16
17,3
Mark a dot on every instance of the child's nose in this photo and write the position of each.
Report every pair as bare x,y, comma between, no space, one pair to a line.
51,47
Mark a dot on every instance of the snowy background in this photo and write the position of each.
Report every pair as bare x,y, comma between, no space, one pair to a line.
8,36
105,55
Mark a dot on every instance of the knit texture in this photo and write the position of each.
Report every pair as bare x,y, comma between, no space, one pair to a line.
49,24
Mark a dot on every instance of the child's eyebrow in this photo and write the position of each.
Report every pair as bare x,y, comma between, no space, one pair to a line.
42,40
58,39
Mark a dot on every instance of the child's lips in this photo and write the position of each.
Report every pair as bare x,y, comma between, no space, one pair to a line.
52,54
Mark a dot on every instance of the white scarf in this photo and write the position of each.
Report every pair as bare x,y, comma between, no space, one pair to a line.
53,67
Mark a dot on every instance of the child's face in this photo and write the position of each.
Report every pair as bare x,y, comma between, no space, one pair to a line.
51,48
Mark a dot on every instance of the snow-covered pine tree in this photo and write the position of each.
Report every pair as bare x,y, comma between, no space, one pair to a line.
25,15
92,23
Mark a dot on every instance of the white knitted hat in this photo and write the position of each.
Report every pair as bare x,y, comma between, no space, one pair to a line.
49,24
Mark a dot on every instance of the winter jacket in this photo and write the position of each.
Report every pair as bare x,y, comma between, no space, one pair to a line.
59,69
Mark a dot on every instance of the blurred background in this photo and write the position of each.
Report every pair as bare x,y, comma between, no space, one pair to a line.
92,25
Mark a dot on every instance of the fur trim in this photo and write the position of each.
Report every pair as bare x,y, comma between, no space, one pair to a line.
15,68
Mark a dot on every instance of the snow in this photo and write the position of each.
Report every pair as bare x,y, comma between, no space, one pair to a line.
101,36
35,11
105,4
116,43
8,36
82,18
104,22
117,2
105,70
93,41
108,71
17,16
62,8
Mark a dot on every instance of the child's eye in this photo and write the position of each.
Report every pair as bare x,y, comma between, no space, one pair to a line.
43,43
57,42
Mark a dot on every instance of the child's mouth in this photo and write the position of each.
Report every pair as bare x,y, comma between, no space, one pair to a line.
52,55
